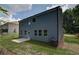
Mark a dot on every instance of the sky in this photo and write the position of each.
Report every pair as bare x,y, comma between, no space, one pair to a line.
21,11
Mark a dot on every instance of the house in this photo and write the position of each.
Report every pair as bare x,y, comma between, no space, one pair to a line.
46,26
10,27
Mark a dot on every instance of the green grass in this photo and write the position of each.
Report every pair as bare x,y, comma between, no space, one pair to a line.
31,47
71,39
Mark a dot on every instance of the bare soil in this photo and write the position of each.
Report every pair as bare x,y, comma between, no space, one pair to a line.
73,47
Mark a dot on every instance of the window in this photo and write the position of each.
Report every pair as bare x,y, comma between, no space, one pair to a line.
25,32
4,30
28,32
45,33
33,20
40,32
35,32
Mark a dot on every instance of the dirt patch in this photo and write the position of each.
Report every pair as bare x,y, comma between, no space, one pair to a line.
73,47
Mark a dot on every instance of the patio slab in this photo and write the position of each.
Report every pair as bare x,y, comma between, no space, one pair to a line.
20,40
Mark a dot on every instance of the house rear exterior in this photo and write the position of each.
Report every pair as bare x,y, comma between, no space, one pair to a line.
46,26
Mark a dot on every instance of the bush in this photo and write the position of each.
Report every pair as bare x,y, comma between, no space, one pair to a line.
77,35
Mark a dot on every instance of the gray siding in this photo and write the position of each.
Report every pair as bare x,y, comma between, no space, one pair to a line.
47,21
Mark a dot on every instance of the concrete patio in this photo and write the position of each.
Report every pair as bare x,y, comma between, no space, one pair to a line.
20,40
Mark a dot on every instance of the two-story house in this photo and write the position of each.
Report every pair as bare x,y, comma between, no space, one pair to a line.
46,26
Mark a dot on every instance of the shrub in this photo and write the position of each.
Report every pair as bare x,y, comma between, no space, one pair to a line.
77,35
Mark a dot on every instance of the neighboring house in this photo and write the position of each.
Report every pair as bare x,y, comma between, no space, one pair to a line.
46,26
10,27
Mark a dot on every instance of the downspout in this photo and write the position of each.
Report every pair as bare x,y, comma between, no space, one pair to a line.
57,28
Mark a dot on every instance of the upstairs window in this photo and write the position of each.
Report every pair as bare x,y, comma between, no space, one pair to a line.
33,20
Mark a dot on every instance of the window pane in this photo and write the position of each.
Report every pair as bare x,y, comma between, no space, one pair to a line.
25,32
28,32
33,20
45,33
40,32
35,32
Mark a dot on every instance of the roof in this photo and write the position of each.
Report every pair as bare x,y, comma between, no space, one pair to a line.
15,22
47,11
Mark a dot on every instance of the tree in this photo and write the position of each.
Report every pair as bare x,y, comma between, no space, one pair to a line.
76,17
76,14
3,10
71,20
68,20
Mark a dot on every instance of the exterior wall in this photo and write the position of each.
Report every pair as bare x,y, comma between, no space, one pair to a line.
51,21
45,21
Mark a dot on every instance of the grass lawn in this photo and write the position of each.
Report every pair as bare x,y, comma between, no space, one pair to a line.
31,47
71,39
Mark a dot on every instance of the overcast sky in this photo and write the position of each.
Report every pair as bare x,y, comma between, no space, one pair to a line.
21,11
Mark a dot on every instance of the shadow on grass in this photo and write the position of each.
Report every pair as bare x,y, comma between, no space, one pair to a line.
40,43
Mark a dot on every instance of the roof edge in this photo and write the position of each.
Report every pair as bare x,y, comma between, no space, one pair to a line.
52,9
